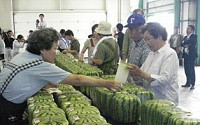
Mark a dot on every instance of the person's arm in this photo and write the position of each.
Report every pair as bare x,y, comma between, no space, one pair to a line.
168,70
125,45
99,55
135,71
85,47
19,44
70,51
97,61
80,80
75,48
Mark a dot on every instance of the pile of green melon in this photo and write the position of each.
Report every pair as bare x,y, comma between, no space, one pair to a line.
123,106
70,107
163,112
42,110
71,65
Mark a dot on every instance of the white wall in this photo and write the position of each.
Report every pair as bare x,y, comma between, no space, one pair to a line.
111,6
37,5
5,14
9,8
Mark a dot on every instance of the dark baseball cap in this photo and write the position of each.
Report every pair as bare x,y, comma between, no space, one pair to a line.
135,20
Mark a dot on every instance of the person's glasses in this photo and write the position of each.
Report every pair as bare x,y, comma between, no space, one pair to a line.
148,39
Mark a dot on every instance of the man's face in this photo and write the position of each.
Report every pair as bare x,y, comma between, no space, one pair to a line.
96,35
70,37
151,42
176,30
50,55
21,40
189,30
10,34
41,17
136,34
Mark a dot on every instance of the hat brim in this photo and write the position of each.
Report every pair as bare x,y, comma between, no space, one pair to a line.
131,26
97,30
126,25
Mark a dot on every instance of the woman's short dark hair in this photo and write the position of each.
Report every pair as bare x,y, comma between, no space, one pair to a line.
69,32
156,30
41,14
42,40
20,36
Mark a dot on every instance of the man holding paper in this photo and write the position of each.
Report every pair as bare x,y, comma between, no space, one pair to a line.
159,72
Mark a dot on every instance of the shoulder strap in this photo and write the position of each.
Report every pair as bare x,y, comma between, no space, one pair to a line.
91,42
17,69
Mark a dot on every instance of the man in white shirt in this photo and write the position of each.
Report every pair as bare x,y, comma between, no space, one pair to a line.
159,72
17,44
41,24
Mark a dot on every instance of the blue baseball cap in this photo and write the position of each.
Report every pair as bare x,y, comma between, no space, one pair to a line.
135,20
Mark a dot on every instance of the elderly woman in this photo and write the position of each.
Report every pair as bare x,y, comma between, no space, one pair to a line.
30,71
160,69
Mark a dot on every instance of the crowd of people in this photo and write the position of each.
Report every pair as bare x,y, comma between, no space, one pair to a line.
152,63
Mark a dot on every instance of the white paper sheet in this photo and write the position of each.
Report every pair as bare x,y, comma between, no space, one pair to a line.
122,73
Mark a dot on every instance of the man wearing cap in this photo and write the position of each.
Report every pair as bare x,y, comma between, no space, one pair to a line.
138,48
126,40
106,52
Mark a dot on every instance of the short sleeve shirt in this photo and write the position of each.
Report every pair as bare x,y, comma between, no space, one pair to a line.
110,58
138,53
75,45
29,81
87,45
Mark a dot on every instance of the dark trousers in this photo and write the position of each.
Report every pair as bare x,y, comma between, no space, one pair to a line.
189,64
11,113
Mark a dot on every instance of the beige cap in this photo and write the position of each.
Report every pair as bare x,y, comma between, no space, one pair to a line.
104,28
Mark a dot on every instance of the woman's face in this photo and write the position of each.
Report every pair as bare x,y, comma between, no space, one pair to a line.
50,55
151,42
95,34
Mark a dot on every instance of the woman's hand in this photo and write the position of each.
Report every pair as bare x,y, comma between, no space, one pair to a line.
112,85
81,56
49,85
134,70
137,73
65,51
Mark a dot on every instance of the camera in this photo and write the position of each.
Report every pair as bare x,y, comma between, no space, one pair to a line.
37,21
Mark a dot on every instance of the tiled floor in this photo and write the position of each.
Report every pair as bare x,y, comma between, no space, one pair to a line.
190,99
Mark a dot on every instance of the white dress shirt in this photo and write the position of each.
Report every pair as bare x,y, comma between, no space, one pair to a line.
42,24
163,67
16,46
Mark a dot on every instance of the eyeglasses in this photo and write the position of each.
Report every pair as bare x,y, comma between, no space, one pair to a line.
148,39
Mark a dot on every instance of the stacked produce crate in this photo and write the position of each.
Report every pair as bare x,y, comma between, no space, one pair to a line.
43,110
